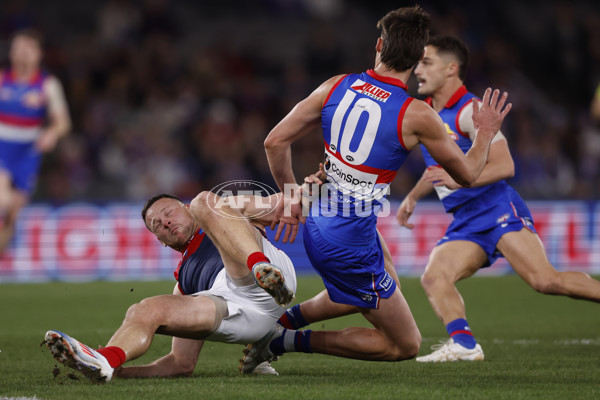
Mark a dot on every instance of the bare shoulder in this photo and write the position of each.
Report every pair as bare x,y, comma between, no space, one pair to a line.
420,119
324,88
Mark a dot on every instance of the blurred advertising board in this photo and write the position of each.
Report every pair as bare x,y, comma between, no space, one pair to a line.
82,242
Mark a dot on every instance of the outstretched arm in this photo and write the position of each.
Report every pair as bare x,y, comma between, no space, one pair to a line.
499,166
423,125
181,361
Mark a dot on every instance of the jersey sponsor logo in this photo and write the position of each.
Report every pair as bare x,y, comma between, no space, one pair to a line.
386,282
33,99
450,132
503,218
371,90
348,178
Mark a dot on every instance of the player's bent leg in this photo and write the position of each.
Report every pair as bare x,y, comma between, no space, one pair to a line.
449,263
315,309
526,254
189,317
395,335
240,245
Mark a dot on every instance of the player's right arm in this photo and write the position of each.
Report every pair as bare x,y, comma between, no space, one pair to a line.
422,124
181,361
303,118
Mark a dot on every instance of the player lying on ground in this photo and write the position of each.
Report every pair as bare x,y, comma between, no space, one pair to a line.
233,285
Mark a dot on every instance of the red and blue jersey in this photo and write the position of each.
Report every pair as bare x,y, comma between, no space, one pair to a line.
199,266
23,107
453,112
362,130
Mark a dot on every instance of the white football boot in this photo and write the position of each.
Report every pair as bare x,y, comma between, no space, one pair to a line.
78,356
450,351
257,353
270,278
265,368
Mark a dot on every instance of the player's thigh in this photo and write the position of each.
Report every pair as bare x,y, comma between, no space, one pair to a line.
455,260
525,252
394,320
183,316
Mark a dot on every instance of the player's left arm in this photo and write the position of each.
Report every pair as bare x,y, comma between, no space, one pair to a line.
59,121
181,361
499,165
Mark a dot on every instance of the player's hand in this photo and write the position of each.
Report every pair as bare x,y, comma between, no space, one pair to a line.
311,188
46,142
438,176
489,113
288,215
405,211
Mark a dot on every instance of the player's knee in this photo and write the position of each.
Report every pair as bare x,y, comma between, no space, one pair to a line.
547,283
142,311
202,204
406,351
430,279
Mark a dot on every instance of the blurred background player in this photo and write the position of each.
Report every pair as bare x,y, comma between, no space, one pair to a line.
33,116
218,296
374,112
490,218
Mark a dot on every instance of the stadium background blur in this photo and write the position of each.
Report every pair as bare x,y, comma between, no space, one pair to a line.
178,96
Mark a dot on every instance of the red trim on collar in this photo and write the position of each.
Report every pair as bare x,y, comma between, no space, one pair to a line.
387,79
429,101
35,78
456,96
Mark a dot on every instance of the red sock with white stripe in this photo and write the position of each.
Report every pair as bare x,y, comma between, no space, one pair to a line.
460,331
114,355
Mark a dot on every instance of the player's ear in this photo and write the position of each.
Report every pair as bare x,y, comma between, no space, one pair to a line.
452,69
379,45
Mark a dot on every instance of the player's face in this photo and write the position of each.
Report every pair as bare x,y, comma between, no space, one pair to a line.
431,72
25,51
171,222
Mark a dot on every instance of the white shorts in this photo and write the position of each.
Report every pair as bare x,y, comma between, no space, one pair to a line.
252,312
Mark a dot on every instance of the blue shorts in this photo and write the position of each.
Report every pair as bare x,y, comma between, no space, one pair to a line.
485,219
22,162
352,275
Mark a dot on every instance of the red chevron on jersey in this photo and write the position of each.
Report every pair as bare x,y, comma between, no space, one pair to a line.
383,175
370,90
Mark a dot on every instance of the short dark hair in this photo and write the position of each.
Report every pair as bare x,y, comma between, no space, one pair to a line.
30,33
405,32
454,46
154,199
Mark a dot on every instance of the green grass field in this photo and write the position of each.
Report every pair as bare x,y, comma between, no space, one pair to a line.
536,346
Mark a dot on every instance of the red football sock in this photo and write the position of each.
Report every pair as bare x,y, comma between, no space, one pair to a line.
114,355
256,258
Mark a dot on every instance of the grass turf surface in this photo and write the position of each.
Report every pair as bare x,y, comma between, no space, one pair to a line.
536,347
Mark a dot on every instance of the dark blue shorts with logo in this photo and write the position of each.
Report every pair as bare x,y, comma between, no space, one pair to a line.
353,275
485,219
